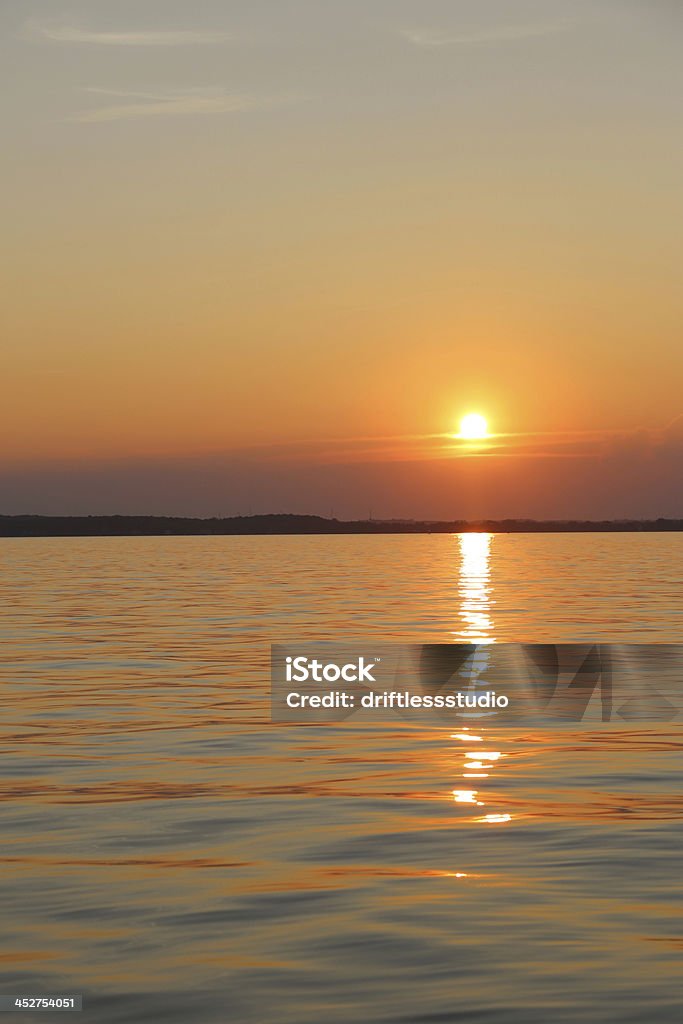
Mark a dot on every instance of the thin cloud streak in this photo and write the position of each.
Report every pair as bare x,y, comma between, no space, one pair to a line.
575,444
80,36
172,104
435,38
403,448
587,444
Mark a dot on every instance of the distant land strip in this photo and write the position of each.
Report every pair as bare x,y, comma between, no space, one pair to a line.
283,524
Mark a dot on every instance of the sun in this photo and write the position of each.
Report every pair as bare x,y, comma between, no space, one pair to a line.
473,427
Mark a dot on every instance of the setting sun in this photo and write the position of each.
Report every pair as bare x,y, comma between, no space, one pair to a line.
473,427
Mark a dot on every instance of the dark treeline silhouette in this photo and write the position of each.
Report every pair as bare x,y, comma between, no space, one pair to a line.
154,526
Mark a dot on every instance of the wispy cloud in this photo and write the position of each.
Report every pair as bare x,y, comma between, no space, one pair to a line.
434,38
638,443
172,103
61,33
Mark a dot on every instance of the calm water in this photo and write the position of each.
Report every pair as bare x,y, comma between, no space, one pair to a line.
174,857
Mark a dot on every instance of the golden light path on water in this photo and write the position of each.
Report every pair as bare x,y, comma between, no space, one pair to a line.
476,627
474,588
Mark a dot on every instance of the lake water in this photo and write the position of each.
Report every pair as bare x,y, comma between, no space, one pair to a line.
174,857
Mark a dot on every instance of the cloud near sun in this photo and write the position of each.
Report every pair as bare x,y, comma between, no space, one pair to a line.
539,445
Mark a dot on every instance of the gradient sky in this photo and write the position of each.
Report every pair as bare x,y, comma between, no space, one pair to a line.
263,255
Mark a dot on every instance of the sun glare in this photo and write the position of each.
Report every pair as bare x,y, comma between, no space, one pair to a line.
473,427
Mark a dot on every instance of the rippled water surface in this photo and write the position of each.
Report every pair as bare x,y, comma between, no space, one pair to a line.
173,856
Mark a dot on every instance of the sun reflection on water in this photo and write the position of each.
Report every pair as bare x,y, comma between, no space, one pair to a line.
465,796
487,759
474,588
476,627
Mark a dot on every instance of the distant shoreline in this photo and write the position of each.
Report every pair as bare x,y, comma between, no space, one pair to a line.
299,525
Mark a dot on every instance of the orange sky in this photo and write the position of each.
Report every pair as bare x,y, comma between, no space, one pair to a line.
229,228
